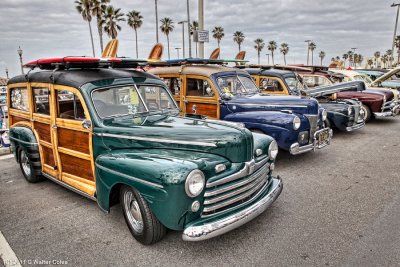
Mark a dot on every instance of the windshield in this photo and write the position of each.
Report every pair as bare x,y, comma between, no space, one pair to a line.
237,85
363,78
294,83
132,100
315,81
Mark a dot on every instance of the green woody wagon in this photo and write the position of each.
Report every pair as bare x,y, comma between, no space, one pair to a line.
115,135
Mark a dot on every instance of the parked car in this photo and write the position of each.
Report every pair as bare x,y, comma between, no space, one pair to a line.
345,115
230,94
115,135
376,103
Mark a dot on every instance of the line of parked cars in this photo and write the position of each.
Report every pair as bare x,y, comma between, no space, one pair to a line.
187,145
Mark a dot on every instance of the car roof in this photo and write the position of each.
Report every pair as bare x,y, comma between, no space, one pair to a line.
203,70
257,71
78,77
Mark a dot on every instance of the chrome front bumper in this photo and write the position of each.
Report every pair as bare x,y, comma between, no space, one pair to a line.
393,112
355,127
225,224
296,149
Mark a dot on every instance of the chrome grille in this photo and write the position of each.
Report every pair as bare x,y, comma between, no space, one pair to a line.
231,191
313,119
357,117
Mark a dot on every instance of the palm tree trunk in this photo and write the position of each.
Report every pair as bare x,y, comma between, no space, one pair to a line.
312,57
196,49
239,47
218,43
91,38
137,52
284,59
258,54
321,61
169,57
272,55
100,30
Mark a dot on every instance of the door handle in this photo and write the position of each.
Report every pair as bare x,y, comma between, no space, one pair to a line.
54,126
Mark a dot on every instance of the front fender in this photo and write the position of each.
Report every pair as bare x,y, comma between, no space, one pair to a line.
158,175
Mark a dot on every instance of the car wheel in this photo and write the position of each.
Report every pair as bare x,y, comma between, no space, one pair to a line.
367,113
142,223
27,168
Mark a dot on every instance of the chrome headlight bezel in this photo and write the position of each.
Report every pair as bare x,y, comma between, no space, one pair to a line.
296,123
193,180
273,150
349,110
324,114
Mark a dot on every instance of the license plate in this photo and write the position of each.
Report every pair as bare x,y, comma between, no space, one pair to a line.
322,137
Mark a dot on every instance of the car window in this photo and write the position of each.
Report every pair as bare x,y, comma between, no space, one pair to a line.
69,106
199,87
271,85
237,84
173,84
314,81
19,98
41,100
132,100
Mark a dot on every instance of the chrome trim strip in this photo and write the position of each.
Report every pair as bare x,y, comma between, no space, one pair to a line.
68,186
240,174
219,198
236,199
226,224
236,185
277,105
24,142
355,127
129,177
140,138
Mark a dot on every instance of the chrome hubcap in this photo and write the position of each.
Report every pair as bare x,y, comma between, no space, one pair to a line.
133,213
26,166
364,113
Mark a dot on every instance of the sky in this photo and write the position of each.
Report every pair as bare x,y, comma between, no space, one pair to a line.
51,28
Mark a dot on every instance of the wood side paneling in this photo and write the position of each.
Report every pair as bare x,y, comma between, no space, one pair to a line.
76,166
43,131
209,110
48,157
15,119
74,140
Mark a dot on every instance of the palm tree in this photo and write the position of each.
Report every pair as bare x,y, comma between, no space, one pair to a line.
360,58
356,59
135,21
238,37
272,46
377,55
312,47
111,18
259,46
84,7
218,33
322,56
98,9
370,62
284,50
345,57
350,57
194,26
397,45
167,26
389,54
384,59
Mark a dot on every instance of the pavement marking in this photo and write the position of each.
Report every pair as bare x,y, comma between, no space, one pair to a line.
6,156
7,255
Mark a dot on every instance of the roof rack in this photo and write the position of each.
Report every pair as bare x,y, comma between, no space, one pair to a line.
195,61
83,63
268,67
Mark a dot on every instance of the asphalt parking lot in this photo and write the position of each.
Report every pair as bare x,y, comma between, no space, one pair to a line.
339,207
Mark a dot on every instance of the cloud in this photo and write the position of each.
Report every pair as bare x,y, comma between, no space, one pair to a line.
49,28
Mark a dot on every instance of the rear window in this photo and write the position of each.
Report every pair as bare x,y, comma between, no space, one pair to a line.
19,98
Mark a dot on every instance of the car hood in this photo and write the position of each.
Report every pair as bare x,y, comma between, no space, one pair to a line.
385,76
380,91
264,102
335,88
174,132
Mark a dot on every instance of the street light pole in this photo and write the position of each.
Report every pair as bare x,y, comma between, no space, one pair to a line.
188,22
20,59
395,26
268,58
308,50
183,37
177,51
201,27
155,3
7,73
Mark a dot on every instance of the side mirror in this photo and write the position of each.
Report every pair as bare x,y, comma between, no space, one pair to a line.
226,96
86,124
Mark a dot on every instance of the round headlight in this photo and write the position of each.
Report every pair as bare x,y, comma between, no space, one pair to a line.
324,115
195,183
349,110
296,123
273,150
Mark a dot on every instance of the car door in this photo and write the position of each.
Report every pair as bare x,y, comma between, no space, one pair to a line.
73,139
200,97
